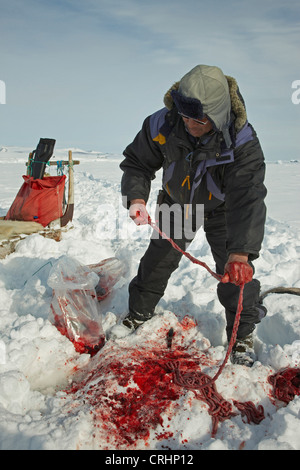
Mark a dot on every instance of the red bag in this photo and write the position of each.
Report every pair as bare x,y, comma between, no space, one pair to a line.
75,310
38,200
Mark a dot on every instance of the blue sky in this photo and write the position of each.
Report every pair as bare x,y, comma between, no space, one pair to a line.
87,73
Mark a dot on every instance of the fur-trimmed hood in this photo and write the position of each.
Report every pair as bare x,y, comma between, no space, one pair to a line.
236,102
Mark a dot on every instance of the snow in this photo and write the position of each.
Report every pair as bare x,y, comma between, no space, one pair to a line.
38,365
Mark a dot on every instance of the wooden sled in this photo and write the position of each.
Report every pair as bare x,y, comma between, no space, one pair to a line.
12,231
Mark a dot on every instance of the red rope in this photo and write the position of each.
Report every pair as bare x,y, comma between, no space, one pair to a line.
219,278
188,255
218,407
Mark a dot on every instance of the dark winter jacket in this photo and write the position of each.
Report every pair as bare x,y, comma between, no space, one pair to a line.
203,171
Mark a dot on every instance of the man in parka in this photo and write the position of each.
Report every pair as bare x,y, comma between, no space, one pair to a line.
210,156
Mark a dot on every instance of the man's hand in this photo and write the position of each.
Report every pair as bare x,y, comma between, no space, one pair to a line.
237,270
138,212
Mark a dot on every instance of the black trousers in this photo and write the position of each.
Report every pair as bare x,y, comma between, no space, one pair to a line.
160,261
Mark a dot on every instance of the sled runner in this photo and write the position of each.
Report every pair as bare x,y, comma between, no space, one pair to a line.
40,205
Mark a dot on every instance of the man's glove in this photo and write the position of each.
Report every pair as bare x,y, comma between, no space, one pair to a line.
237,270
138,212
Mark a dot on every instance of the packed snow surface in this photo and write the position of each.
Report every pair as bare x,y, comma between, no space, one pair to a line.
52,397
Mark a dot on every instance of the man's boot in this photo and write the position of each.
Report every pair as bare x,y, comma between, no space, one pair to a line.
243,351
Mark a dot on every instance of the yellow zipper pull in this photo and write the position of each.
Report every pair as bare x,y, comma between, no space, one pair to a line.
187,178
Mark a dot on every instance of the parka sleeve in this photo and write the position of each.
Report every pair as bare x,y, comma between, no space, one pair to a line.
142,160
244,199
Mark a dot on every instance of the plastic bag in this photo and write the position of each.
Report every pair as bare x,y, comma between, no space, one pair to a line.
109,270
75,309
